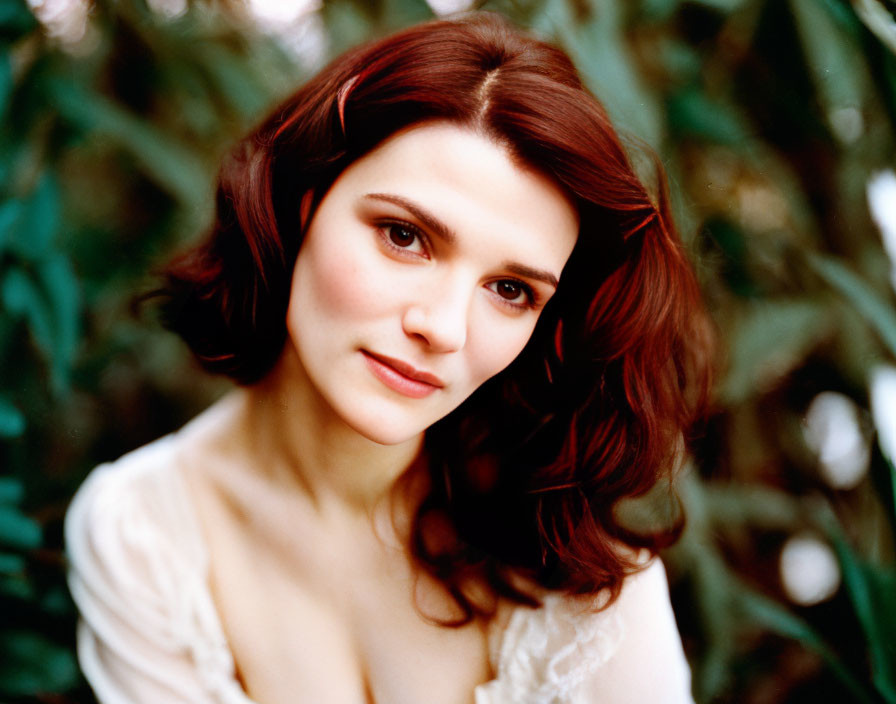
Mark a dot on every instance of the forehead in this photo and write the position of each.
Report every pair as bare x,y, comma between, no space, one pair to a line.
470,182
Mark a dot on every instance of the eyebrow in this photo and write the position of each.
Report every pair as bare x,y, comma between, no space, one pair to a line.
440,229
430,221
530,273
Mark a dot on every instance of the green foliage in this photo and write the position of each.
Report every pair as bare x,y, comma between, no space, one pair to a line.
769,117
105,156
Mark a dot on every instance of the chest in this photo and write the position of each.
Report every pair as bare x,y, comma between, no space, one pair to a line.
312,614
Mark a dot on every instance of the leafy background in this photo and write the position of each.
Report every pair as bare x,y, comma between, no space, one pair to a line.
770,116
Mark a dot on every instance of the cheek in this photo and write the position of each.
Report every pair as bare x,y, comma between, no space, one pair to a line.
339,282
492,353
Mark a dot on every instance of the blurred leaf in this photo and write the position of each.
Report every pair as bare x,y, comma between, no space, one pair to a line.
11,564
11,490
681,61
837,69
21,296
16,587
346,23
33,232
712,582
879,20
10,212
765,612
767,341
15,19
692,113
723,5
198,111
401,13
658,10
732,241
863,298
17,530
31,664
599,49
57,601
61,288
173,166
12,425
760,507
232,79
51,308
717,617
6,82
872,590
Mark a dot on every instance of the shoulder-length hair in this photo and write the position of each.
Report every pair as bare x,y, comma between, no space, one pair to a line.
530,470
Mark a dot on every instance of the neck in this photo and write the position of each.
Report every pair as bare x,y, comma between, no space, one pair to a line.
303,445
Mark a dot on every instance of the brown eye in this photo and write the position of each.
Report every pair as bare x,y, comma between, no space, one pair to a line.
510,290
401,236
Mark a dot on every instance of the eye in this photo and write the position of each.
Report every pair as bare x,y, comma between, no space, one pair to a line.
514,293
403,237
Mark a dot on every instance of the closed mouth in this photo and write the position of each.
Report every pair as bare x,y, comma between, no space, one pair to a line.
407,370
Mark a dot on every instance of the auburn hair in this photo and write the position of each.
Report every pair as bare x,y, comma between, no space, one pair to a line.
530,470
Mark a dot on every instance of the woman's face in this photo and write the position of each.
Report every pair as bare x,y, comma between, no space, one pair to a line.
422,274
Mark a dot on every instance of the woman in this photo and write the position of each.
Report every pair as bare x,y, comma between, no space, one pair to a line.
462,333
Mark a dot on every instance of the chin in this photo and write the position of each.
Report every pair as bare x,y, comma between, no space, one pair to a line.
383,427
382,434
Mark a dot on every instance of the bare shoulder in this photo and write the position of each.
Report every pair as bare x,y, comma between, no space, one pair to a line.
142,493
649,663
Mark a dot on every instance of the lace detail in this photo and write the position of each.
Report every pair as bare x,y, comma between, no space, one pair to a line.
546,654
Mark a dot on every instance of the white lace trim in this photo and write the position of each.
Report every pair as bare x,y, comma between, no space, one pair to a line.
546,654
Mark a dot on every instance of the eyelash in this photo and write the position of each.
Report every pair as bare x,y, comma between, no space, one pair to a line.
531,302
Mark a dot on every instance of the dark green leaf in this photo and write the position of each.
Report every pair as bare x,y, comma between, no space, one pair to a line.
233,80
837,68
17,530
6,82
16,587
776,618
12,491
11,564
15,19
400,13
22,297
767,341
600,50
10,213
723,5
173,166
872,591
31,664
658,10
57,601
346,24
692,113
61,287
34,231
12,424
865,300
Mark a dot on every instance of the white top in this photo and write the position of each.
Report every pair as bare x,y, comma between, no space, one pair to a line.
149,632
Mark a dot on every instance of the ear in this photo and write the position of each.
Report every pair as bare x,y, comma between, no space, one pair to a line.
305,209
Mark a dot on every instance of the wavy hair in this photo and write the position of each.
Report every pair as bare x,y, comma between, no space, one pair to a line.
530,470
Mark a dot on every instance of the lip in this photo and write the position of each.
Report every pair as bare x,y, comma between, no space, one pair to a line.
401,376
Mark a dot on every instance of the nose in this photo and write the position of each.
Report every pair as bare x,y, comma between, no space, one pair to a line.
440,320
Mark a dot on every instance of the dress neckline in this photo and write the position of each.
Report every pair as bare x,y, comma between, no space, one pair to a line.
225,680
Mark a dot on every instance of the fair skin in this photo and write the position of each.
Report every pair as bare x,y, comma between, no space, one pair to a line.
422,274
